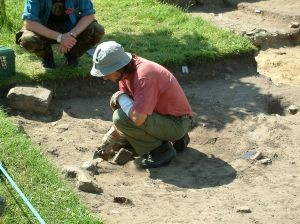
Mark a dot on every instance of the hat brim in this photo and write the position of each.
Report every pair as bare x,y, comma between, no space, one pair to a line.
99,71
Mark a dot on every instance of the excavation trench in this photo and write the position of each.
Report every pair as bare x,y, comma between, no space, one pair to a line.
235,109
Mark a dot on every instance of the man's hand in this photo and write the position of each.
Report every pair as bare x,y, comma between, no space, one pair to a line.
67,43
114,100
110,142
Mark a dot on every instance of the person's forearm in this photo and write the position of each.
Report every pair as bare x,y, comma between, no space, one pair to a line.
40,29
126,104
83,24
137,118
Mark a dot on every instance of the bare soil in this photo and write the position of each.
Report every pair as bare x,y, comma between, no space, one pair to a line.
239,106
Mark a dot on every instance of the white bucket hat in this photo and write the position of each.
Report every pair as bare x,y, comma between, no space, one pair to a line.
109,57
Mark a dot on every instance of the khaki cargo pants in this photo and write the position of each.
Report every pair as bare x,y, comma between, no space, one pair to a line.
41,46
156,129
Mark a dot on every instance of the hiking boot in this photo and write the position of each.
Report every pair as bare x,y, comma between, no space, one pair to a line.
72,61
181,144
160,156
48,62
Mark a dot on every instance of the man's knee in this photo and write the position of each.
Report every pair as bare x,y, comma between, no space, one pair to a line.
118,118
29,41
95,32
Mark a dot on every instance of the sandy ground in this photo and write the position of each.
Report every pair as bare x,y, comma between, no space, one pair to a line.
209,181
212,180
270,23
282,65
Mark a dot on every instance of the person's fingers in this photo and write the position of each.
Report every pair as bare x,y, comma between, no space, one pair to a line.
60,49
63,49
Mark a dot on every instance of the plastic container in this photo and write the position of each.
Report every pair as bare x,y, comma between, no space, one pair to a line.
7,61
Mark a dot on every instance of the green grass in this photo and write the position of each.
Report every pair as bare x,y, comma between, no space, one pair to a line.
159,32
39,181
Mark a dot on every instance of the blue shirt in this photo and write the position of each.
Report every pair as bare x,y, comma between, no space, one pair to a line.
39,10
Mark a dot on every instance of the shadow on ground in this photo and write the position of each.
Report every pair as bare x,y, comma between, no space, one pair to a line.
194,170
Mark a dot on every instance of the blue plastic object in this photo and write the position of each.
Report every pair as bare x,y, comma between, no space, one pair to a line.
248,154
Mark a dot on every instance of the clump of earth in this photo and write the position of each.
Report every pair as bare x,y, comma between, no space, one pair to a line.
242,164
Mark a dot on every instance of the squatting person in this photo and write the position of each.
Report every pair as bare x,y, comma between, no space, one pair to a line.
69,23
151,108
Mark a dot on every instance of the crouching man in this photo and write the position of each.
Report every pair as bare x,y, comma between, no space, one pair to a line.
71,24
150,108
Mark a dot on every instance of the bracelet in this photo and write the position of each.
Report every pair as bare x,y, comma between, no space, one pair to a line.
72,34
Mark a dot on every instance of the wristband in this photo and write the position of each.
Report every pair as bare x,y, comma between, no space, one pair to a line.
59,38
126,103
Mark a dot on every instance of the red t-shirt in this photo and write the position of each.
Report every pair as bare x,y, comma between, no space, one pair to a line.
154,89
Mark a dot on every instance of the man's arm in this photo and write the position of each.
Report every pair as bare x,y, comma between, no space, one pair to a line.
83,24
40,29
67,41
126,104
137,118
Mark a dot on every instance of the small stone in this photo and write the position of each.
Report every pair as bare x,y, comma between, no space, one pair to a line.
293,109
122,200
86,165
53,123
87,185
243,209
256,156
122,157
210,156
294,25
90,167
258,11
265,161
